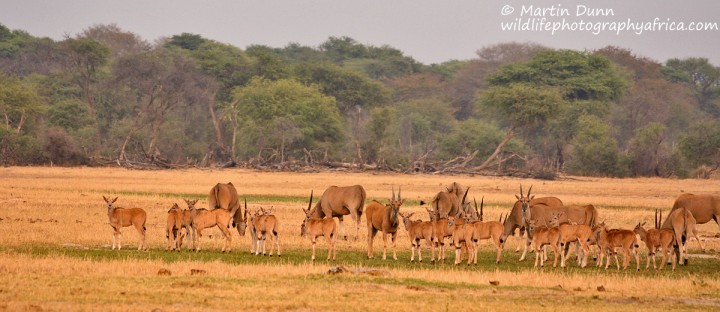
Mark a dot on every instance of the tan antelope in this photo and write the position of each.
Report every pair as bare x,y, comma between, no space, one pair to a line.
383,218
703,207
542,235
586,214
121,217
225,196
655,239
418,230
441,231
337,202
569,233
462,235
450,202
609,240
682,222
515,219
203,219
177,220
485,230
261,225
314,227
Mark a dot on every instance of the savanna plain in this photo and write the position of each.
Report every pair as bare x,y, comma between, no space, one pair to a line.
55,250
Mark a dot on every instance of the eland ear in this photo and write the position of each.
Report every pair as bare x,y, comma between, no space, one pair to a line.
114,199
518,197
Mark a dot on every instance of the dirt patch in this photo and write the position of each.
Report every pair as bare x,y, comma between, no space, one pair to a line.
190,284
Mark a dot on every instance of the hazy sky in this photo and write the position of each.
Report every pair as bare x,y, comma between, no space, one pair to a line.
430,31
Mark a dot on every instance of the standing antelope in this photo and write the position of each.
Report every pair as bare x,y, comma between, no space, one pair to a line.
682,222
383,218
609,240
441,230
450,202
203,219
703,207
176,221
339,201
314,227
656,238
541,236
122,217
516,217
225,196
462,236
486,230
569,232
418,230
261,224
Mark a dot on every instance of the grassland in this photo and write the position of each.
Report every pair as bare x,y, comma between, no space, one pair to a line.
55,255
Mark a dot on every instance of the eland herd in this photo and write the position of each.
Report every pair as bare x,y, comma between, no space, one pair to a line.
541,221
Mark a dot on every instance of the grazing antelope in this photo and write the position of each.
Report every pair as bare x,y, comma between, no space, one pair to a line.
682,222
569,233
609,240
260,225
176,221
314,227
203,219
541,236
339,201
656,238
383,218
121,217
418,230
225,196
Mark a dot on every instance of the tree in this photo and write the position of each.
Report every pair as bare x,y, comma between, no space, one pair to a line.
584,82
702,76
160,82
521,107
349,88
265,107
701,144
84,59
595,151
19,101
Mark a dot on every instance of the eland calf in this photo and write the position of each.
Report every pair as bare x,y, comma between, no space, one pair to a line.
314,227
121,217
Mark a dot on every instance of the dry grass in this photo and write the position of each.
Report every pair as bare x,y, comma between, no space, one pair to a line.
53,207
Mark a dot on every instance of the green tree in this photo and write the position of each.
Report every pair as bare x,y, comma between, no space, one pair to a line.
702,76
521,107
349,88
265,107
701,144
19,101
595,151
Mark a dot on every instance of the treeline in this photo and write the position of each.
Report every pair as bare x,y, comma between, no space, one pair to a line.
107,96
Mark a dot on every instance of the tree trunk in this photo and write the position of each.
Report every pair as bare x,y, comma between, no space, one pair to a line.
216,124
23,117
509,135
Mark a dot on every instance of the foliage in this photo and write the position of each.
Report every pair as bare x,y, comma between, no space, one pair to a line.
107,93
595,150
270,108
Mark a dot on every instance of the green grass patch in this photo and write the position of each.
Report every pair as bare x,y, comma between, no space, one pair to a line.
357,258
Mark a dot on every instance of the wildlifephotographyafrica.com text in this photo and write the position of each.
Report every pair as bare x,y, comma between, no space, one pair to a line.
595,20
